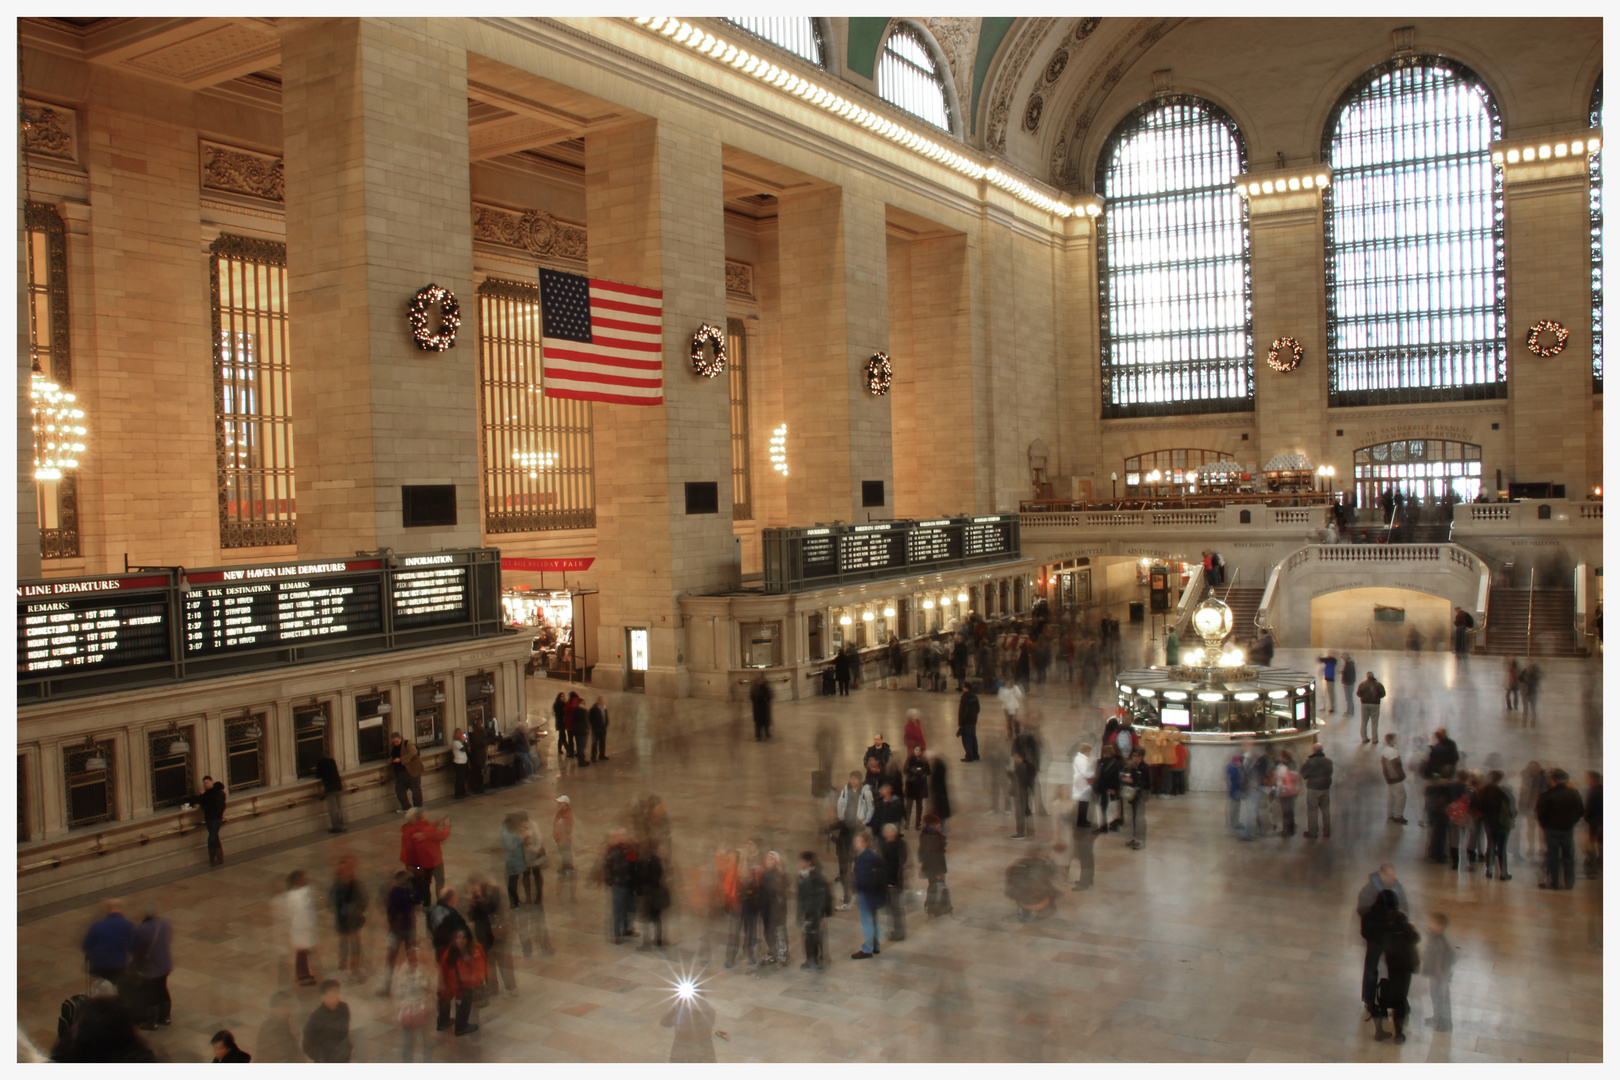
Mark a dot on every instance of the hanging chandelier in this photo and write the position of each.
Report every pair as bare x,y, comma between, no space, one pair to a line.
58,428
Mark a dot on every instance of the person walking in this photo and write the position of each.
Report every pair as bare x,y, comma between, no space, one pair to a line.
421,851
1401,960
1317,772
917,774
444,921
514,835
412,991
1439,960
326,771
912,735
463,971
477,756
1109,767
1558,810
815,905
1389,763
598,718
1371,908
326,1032
871,892
1497,811
1285,782
896,854
841,671
1330,668
931,862
1370,693
348,899
153,961
1594,824
967,721
654,894
458,763
1461,624
1022,773
108,943
520,752
1347,683
562,834
1511,696
1530,691
1234,792
760,696
400,905
1135,792
407,767
618,874
854,808
773,908
211,801
939,797
298,907
1256,786
1172,648
492,930
1085,838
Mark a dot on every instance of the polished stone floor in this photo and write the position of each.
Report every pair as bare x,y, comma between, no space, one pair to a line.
1197,948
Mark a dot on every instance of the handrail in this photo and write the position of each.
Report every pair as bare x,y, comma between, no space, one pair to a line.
1184,606
1482,602
1262,614
1580,600
1237,574
1530,618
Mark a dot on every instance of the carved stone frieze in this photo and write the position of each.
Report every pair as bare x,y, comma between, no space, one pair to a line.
958,39
533,231
50,131
242,172
1056,65
739,279
1007,80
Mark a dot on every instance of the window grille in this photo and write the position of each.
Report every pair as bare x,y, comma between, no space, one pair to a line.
171,771
1176,466
910,77
310,724
48,341
1416,288
800,36
371,733
538,465
89,790
1596,174
244,752
252,393
1177,330
1423,470
742,503
429,714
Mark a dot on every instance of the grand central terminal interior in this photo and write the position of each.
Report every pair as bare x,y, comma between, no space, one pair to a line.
809,539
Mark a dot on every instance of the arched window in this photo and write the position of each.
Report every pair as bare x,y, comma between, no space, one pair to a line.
1174,263
1415,282
1595,164
800,36
909,76
1426,471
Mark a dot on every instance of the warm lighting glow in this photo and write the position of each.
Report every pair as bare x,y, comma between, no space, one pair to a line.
866,616
1321,180
1193,657
1212,621
1232,659
779,449
1175,695
945,601
1211,697
1512,156
961,598
928,605
844,620
58,428
888,612
1265,186
1247,696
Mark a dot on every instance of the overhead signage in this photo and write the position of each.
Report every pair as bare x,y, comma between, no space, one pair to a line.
547,565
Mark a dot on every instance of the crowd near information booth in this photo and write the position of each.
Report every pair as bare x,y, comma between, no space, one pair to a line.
551,615
1219,701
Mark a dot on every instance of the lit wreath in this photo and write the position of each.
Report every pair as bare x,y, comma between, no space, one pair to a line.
701,363
449,318
1560,336
879,374
1296,353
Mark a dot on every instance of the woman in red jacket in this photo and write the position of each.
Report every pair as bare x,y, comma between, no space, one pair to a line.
914,731
462,971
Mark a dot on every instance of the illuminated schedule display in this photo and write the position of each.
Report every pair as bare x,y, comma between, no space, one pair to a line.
802,558
174,623
72,627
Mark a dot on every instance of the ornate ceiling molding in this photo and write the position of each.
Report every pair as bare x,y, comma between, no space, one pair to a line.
958,39
1007,80
51,131
739,279
235,171
533,231
1048,83
1103,77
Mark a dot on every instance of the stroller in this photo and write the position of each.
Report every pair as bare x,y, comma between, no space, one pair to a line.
1032,885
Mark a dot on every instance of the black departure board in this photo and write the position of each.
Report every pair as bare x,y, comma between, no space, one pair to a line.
933,541
116,625
820,553
800,558
278,614
436,593
861,551
986,536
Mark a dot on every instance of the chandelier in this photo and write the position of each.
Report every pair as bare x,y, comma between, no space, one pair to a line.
58,428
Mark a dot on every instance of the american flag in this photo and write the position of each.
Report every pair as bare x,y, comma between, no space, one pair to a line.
601,341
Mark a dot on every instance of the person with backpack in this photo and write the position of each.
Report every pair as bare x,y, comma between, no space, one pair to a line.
1497,810
1382,893
1389,761
1347,683
1459,813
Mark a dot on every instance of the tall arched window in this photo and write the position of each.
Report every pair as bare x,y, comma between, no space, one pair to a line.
798,35
911,77
1595,164
1174,263
1415,283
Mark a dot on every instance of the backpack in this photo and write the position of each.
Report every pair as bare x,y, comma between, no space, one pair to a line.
1394,771
1459,810
1504,816
1288,783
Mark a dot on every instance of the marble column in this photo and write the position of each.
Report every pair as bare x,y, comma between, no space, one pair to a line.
654,207
374,115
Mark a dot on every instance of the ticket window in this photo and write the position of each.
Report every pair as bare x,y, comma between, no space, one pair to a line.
814,625
429,702
762,644
311,724
480,701
638,650
371,726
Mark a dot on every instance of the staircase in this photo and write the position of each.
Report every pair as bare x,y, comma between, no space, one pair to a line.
1553,633
1244,603
1414,534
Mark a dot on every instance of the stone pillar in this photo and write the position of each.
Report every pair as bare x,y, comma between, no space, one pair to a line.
374,116
654,207
834,271
1289,290
1553,412
27,497
942,448
1079,371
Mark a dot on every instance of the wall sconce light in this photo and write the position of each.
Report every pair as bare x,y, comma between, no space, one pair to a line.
962,597
888,612
180,745
866,616
844,620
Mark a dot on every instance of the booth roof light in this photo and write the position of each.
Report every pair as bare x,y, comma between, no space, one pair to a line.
697,40
1247,695
1302,690
1277,694
1124,689
1175,695
1145,692
1211,697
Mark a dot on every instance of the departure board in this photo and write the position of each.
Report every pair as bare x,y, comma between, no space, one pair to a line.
113,627
279,614
987,536
863,552
801,558
932,541
436,594
820,553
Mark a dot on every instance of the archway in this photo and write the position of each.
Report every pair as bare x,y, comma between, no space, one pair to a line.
1425,471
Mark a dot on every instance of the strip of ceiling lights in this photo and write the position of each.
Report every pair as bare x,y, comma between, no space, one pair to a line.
700,41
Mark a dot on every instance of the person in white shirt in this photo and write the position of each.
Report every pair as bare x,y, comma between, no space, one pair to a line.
1012,703
1085,769
1389,761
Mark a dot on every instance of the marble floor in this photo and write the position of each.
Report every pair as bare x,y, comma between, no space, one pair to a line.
1198,948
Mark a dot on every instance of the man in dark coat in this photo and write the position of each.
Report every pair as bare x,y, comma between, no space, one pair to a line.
871,894
211,801
1370,910
109,943
892,846
815,904
959,662
939,798
598,719
326,771
326,1032
443,921
477,755
760,695
841,672
1558,810
967,722
1442,753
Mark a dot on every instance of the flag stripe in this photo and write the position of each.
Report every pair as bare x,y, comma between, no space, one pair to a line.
599,304
602,340
611,399
569,369
571,351
631,327
630,290
598,377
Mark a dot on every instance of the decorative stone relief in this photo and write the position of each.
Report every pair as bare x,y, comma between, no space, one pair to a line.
1056,65
740,278
1083,109
50,131
958,39
242,172
1007,80
534,231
